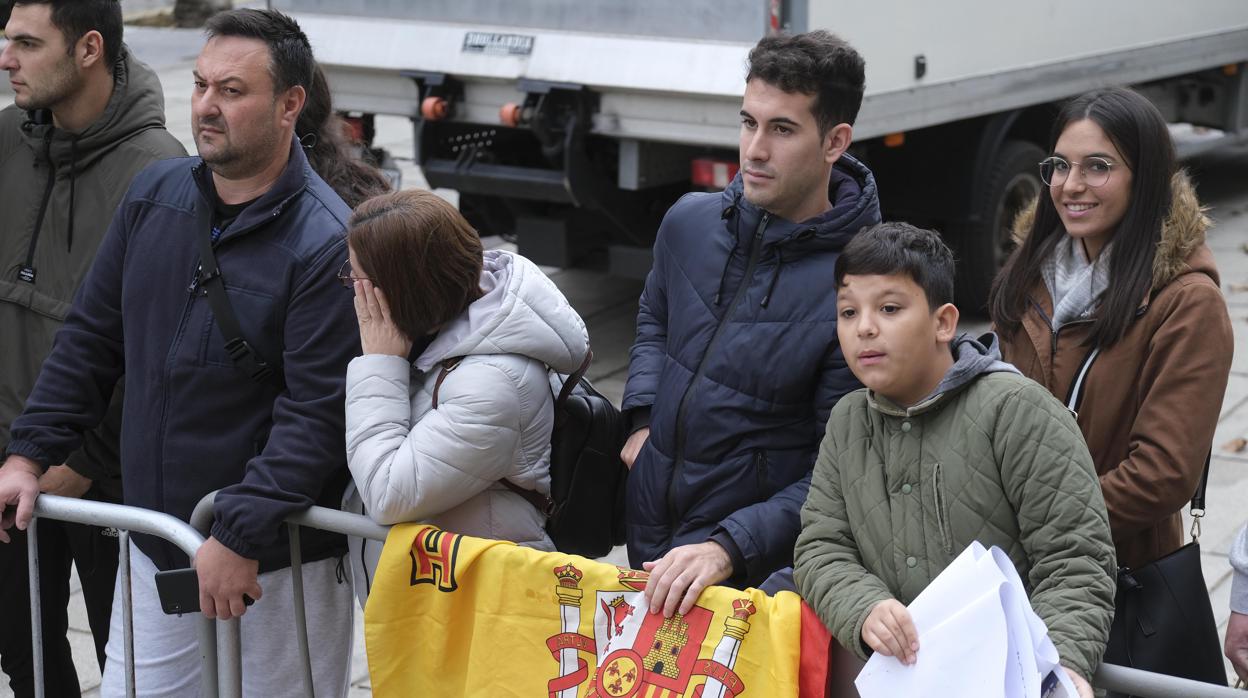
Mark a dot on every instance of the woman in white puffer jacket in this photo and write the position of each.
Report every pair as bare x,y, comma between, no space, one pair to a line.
427,296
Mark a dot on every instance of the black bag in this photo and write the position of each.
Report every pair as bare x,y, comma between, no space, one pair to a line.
585,509
1163,621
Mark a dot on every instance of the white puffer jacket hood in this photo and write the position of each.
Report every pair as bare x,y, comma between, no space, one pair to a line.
411,462
521,312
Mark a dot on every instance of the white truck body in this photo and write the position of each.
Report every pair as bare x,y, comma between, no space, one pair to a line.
663,80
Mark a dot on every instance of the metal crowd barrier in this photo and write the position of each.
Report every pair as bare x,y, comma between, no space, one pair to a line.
320,518
224,677
126,520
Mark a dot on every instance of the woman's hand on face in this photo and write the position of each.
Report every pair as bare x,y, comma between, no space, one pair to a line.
378,333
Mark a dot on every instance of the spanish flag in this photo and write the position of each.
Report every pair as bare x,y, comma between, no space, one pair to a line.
451,615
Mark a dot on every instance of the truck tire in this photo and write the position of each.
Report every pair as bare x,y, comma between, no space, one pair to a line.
985,244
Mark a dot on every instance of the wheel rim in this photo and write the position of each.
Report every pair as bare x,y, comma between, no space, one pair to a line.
1018,193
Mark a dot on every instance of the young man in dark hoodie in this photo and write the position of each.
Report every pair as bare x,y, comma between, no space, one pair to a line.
947,445
736,364
87,118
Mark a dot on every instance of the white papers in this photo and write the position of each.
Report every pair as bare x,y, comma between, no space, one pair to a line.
978,638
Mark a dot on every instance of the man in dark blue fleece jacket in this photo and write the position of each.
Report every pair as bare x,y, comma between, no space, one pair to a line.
736,364
193,420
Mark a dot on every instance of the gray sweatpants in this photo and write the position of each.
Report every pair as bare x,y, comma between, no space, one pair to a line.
166,648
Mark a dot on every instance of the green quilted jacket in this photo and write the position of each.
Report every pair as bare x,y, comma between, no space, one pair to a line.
898,493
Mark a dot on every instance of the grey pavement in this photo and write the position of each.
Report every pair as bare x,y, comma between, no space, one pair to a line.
609,306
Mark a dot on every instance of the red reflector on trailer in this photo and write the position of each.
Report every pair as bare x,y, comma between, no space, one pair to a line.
355,128
713,174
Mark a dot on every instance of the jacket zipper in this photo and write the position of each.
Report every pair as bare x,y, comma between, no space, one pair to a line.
43,207
760,468
756,247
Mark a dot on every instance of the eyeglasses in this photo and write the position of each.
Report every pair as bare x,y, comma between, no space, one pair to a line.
344,275
1055,170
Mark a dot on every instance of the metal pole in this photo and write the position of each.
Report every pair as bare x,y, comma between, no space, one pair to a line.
231,659
127,608
208,654
1149,685
36,615
301,613
125,519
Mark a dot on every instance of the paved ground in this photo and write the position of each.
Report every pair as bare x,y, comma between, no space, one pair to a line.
609,307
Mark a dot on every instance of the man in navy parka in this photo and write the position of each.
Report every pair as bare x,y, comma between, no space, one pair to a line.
736,364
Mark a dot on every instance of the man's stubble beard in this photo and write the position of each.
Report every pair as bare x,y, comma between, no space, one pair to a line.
60,85
242,160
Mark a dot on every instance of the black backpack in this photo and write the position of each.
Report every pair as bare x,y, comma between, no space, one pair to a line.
585,509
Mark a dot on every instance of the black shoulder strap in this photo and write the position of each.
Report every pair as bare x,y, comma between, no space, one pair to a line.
541,502
241,353
1198,499
571,382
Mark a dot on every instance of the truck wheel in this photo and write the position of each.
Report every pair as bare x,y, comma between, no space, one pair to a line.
984,245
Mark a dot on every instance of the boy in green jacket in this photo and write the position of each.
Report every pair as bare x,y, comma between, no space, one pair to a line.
946,445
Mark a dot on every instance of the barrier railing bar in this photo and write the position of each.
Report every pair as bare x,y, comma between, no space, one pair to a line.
36,612
127,607
301,614
230,658
1108,676
126,520
315,517
1147,684
121,517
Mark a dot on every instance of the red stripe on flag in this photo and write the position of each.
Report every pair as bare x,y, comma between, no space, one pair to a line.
816,641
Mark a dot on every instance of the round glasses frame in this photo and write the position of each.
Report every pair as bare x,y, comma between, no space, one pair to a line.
1054,171
345,278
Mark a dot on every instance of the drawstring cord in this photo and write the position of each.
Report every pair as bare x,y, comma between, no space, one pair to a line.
73,164
775,275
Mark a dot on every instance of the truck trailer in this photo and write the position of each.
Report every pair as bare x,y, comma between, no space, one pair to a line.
573,124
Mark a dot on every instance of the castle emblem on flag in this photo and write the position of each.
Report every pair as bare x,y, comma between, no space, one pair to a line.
639,653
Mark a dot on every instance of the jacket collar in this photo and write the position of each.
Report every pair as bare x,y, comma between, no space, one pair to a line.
292,181
855,204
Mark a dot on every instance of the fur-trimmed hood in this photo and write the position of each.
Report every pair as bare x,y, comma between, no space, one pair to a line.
1182,247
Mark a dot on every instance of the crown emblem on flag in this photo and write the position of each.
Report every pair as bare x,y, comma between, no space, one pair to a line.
568,575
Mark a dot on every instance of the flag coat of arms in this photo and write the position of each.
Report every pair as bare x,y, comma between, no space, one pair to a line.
451,615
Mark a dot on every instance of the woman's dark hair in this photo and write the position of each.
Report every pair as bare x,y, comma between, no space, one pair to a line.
900,248
421,252
323,135
1140,134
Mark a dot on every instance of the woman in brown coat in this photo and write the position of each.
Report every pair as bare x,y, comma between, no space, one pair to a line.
1114,259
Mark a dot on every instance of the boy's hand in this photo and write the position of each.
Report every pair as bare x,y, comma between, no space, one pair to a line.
1081,684
889,630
